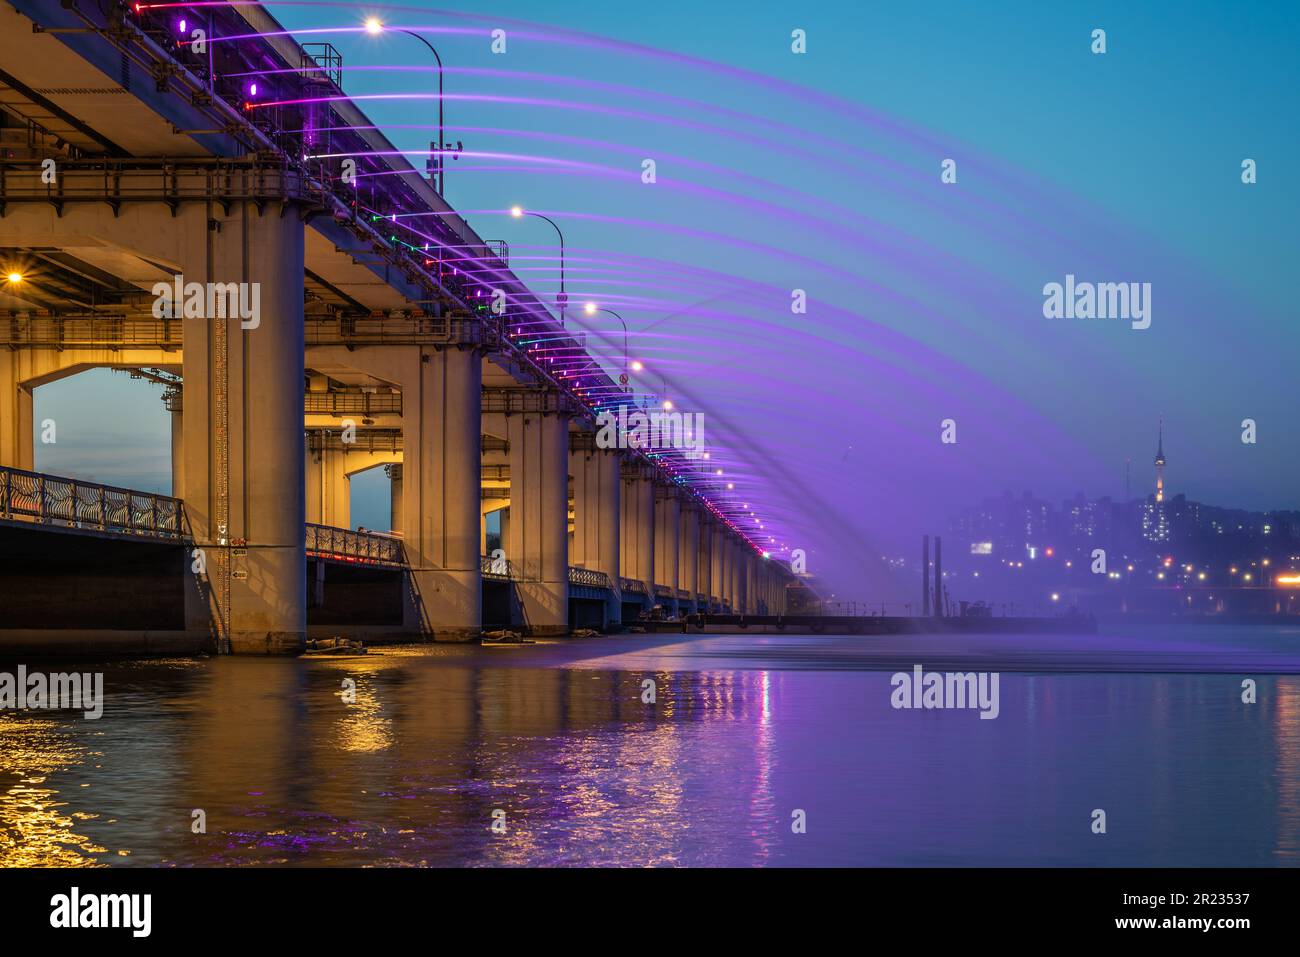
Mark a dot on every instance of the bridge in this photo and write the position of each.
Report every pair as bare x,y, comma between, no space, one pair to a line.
188,215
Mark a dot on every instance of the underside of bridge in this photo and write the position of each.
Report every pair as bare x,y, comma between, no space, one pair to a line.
149,223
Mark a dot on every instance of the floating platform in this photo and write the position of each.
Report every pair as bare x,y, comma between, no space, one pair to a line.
869,625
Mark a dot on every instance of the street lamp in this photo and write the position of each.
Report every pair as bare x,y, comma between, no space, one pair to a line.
562,300
375,26
591,309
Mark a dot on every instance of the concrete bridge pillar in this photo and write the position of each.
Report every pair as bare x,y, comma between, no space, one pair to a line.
329,500
707,587
667,538
174,400
717,562
538,547
750,581
731,558
688,556
441,439
242,430
394,472
16,439
597,508
638,528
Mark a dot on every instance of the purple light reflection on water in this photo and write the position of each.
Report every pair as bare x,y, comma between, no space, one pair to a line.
1148,725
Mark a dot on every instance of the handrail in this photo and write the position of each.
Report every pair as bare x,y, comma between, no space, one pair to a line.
341,544
492,568
81,504
587,577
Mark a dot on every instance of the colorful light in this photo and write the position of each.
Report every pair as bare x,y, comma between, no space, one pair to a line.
374,25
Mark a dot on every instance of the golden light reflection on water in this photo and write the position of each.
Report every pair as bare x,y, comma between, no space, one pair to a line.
37,827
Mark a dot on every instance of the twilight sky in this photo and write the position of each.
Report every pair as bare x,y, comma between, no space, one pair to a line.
821,171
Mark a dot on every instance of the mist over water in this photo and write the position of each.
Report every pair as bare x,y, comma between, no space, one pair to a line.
744,732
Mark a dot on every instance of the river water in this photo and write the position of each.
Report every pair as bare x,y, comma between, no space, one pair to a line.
746,737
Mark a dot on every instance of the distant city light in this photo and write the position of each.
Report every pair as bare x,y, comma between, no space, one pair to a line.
1290,581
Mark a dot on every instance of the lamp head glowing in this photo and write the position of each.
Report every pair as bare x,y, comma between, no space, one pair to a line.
668,403
589,308
374,25
516,211
15,277
637,366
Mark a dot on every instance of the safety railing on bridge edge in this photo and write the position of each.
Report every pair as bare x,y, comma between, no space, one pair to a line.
634,585
79,504
344,545
497,569
588,578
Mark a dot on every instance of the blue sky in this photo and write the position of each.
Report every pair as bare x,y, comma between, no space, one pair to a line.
925,298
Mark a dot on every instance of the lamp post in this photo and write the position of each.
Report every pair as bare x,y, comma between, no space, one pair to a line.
591,310
438,173
562,300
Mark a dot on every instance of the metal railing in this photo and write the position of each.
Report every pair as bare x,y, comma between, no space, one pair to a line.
79,504
587,577
352,403
110,331
343,545
492,568
634,585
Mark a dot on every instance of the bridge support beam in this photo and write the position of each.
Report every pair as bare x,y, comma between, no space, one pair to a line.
668,520
16,440
752,594
329,499
441,411
243,466
729,572
688,552
638,528
394,472
538,546
717,552
597,498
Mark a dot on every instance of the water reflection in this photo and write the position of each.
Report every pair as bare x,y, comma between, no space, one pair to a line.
587,772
